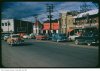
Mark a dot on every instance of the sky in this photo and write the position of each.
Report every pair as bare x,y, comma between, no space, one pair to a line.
27,10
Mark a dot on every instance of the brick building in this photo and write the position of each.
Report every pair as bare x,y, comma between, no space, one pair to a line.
88,21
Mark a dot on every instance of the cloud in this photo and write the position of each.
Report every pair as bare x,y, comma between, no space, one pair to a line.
26,10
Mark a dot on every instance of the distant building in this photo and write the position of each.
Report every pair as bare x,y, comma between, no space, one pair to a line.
16,26
88,20
37,27
66,20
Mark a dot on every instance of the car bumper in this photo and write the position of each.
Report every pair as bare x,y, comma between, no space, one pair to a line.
63,40
18,42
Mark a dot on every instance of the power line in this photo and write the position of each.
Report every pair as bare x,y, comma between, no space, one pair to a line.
50,10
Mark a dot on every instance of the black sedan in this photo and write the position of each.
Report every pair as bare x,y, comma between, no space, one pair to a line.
88,39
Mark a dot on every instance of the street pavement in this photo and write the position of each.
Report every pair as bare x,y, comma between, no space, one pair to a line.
45,53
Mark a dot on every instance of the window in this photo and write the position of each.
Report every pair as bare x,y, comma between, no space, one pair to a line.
95,21
8,23
5,24
2,24
21,29
69,21
90,21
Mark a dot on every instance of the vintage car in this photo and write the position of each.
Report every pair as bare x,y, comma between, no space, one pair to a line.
26,36
59,37
72,37
89,39
6,36
32,36
49,36
15,39
41,37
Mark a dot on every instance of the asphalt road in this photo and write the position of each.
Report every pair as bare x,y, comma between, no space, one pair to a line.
37,53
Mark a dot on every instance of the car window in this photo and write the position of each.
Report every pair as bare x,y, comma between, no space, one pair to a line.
6,34
15,36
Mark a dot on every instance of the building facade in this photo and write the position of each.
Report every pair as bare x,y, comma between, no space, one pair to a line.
37,28
16,26
88,20
66,22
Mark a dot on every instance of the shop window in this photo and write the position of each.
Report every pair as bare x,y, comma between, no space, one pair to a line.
87,21
8,23
95,21
2,24
5,24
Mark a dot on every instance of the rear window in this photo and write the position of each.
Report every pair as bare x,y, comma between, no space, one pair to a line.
62,35
15,36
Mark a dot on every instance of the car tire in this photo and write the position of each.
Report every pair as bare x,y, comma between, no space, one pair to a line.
11,44
89,44
76,42
8,43
69,39
57,40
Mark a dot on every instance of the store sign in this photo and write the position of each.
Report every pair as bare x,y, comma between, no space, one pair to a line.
55,26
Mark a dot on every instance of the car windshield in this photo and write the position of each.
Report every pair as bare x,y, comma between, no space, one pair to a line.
62,35
15,36
6,35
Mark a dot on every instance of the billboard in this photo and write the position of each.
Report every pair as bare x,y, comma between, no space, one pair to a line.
46,26
54,26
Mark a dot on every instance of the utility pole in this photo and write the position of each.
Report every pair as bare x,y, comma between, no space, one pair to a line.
36,25
50,10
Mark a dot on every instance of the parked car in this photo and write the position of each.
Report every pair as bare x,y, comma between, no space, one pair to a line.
41,37
88,39
26,36
15,39
59,37
49,37
6,36
32,36
2,36
72,37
